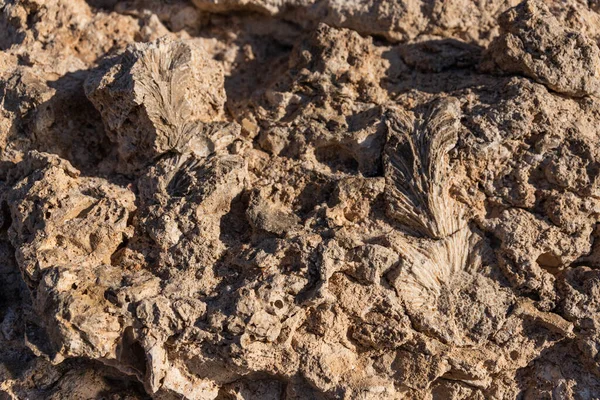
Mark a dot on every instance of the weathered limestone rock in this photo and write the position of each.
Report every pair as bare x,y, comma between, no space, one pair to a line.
532,42
156,97
299,200
395,20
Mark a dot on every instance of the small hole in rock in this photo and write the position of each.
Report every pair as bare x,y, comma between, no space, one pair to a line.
337,158
549,262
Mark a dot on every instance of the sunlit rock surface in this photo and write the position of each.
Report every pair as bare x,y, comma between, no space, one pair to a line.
299,199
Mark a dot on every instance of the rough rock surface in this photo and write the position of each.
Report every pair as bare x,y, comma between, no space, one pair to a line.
257,199
532,42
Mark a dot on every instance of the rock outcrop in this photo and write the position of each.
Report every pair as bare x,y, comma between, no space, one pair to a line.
299,200
533,43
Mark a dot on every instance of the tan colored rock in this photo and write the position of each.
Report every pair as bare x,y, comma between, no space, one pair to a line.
299,200
395,20
156,98
533,42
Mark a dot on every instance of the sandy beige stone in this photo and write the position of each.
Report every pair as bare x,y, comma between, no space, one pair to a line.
299,200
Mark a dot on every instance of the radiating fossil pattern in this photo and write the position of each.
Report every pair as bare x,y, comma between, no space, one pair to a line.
417,169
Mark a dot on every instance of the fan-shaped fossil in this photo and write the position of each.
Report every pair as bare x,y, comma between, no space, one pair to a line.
418,178
417,172
362,219
156,98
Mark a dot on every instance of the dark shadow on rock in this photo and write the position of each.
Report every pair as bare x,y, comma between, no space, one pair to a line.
440,55
106,5
432,66
248,75
235,228
66,124
11,33
75,127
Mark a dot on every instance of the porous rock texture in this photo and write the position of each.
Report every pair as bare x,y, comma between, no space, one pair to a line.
299,199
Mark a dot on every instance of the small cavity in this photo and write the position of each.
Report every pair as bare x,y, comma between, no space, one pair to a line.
337,158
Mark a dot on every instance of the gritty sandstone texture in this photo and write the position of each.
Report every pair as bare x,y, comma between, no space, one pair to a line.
299,199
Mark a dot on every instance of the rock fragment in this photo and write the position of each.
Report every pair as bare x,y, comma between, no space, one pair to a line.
156,98
534,43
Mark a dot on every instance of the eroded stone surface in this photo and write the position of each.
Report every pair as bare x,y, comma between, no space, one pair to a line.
156,98
532,42
299,200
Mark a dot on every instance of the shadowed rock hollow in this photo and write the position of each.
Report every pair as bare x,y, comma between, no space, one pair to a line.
300,199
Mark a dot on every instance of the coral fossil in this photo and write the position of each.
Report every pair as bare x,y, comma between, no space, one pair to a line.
156,98
417,172
418,191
